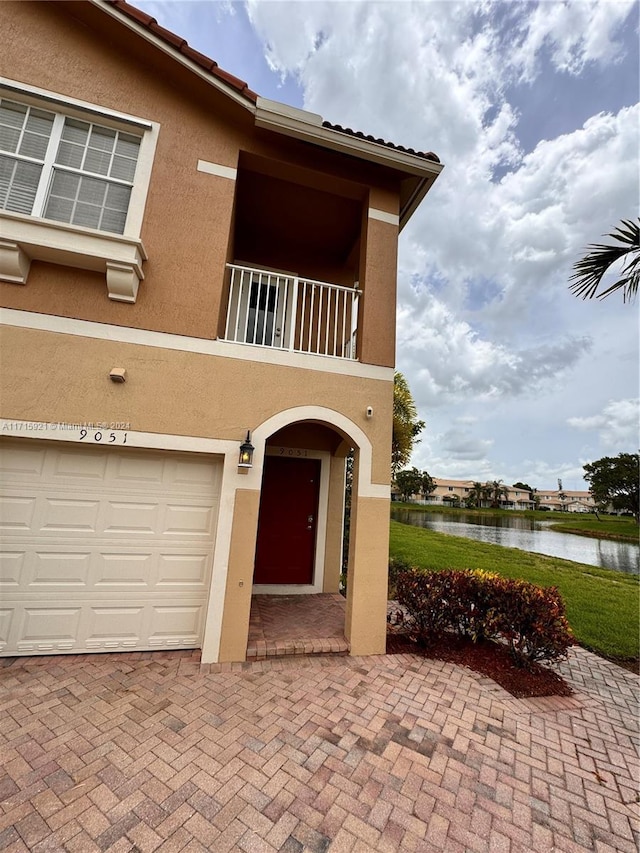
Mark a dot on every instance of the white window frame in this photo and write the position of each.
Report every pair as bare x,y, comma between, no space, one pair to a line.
25,237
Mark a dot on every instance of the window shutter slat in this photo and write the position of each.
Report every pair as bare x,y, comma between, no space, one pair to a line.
18,184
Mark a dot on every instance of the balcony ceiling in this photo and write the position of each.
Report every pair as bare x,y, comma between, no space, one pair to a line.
271,211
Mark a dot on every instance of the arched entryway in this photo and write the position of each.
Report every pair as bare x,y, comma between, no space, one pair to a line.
287,536
296,606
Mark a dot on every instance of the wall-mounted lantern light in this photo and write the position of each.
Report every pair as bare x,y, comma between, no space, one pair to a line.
246,453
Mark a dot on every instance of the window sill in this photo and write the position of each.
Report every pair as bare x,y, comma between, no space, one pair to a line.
24,239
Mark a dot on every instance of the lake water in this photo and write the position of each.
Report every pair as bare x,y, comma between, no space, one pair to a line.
528,535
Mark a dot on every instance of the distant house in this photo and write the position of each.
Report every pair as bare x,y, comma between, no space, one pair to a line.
189,274
452,492
567,501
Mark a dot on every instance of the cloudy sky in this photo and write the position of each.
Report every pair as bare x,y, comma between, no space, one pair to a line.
533,108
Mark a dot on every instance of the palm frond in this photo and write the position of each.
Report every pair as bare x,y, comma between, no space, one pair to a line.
590,269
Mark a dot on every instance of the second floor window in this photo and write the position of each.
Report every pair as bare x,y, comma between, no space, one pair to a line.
64,169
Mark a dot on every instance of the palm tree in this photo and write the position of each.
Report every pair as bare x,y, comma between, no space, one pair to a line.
590,270
406,426
476,495
496,491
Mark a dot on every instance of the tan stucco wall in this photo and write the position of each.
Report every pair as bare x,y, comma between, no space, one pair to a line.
376,336
366,613
237,600
75,49
53,377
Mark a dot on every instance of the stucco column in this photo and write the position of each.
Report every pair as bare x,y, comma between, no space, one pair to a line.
366,613
378,271
237,596
335,525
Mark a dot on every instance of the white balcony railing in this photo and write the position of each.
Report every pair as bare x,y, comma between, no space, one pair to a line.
270,309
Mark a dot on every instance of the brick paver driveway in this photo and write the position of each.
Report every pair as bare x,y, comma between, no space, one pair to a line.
391,753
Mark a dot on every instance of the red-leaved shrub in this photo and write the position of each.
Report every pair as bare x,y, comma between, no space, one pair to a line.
532,620
481,605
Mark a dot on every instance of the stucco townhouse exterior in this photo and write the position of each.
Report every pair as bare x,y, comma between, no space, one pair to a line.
458,491
185,265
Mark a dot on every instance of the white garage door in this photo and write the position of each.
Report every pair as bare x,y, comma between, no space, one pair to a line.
104,549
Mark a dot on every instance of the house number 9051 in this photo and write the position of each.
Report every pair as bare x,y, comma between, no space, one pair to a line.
297,452
103,437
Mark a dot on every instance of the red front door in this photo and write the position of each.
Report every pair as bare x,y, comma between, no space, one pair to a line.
286,543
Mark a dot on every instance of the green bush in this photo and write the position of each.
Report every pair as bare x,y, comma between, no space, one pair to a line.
481,605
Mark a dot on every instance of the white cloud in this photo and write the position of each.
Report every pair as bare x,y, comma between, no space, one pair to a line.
617,424
461,444
492,342
573,33
485,317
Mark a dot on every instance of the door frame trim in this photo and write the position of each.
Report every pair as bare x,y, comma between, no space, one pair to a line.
321,535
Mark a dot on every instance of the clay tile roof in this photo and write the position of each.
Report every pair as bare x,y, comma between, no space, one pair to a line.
182,45
426,155
212,67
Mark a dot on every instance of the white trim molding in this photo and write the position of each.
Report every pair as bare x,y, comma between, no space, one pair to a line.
27,239
217,169
14,262
329,417
165,340
308,126
383,216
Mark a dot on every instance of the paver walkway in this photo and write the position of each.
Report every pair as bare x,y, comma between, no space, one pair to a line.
151,752
296,625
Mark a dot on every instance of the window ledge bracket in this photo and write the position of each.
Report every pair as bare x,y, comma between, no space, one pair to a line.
24,239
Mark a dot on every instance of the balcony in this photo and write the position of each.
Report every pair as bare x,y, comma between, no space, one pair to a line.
287,312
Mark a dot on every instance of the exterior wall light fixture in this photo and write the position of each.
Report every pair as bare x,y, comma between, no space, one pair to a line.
246,453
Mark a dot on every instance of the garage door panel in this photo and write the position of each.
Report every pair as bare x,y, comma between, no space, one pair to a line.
110,626
189,474
104,549
135,469
116,627
131,518
50,628
117,569
69,464
102,569
7,615
69,515
77,514
17,512
26,461
174,625
182,570
60,569
11,569
189,520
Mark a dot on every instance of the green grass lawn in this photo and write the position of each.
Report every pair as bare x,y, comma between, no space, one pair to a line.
609,526
603,607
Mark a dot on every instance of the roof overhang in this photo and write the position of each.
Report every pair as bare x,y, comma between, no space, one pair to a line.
307,126
174,53
420,172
